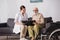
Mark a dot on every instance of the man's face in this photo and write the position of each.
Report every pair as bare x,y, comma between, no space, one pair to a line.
35,10
23,11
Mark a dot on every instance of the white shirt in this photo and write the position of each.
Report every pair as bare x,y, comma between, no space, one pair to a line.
19,17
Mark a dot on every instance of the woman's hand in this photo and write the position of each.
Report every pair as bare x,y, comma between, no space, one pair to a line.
19,23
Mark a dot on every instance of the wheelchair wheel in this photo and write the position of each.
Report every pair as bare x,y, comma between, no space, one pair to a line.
55,36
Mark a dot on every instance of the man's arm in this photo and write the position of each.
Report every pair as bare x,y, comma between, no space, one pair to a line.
41,19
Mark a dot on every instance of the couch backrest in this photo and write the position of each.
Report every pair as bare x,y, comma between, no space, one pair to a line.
30,18
48,19
10,22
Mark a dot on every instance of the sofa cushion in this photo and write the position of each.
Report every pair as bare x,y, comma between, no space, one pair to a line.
10,22
5,30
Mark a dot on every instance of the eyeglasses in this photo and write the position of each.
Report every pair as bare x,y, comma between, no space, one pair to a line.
35,10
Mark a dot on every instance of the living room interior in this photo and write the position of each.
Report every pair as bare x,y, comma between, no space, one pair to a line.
8,9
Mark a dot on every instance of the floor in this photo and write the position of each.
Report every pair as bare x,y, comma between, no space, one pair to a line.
13,38
9,38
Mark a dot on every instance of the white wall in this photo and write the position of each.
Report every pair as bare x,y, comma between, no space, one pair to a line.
12,8
48,8
8,9
3,10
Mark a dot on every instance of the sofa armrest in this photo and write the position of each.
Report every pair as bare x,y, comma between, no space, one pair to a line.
46,26
3,24
5,30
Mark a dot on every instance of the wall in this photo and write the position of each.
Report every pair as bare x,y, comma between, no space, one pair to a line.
3,10
12,8
8,8
47,8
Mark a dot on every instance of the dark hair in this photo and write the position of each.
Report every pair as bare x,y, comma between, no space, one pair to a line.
22,7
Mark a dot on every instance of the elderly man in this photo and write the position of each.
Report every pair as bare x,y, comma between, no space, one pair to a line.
39,20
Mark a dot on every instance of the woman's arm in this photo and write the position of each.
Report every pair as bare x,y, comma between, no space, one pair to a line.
16,20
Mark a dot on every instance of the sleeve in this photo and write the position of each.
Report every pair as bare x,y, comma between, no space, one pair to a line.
16,18
42,19
33,17
27,16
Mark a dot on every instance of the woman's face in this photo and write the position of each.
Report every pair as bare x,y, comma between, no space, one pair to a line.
23,11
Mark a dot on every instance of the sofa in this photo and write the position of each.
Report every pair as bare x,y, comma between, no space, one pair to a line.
7,28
